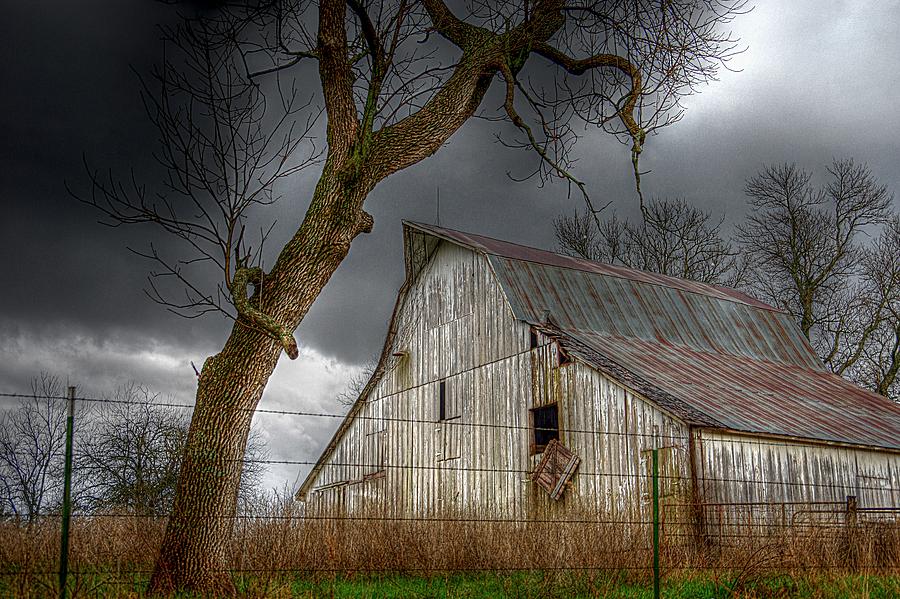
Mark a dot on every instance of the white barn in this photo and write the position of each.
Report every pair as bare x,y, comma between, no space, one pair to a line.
495,349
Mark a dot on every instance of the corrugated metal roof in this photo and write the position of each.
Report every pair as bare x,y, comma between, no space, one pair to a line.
711,355
523,253
748,395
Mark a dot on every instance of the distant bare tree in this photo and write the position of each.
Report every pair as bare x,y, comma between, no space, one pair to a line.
32,444
253,468
673,238
132,454
128,453
132,451
808,257
357,383
878,364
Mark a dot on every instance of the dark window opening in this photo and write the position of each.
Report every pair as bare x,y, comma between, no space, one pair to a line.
545,426
563,356
533,339
442,400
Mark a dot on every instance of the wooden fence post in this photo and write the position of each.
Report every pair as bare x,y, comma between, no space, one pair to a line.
655,471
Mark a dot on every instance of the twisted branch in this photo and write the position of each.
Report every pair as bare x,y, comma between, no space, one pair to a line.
626,112
243,277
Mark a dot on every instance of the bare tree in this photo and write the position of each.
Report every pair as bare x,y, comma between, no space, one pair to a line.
223,145
132,453
808,256
397,78
357,383
672,238
132,450
32,444
878,364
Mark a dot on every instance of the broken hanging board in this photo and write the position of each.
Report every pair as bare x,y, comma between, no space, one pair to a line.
555,469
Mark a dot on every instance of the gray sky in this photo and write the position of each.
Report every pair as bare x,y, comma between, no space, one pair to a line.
818,81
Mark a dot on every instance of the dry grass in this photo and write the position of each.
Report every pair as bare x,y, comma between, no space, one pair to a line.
275,545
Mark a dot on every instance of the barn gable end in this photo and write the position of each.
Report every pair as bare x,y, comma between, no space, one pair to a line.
453,325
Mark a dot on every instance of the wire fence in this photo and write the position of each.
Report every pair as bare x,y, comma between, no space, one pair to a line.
361,525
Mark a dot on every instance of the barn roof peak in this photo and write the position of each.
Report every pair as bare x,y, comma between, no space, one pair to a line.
524,253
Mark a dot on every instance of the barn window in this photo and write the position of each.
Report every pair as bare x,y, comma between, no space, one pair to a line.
374,453
563,356
447,430
533,339
448,400
545,427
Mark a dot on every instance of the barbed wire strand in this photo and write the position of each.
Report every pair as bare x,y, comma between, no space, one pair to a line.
656,436
445,467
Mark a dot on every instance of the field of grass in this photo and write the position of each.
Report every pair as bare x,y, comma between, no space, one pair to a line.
538,585
524,585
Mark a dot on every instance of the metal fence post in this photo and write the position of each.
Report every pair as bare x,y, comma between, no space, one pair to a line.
655,471
67,499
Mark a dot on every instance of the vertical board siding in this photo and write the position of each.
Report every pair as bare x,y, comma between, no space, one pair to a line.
746,478
456,326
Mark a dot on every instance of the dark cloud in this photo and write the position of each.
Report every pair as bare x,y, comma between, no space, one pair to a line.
72,93
816,82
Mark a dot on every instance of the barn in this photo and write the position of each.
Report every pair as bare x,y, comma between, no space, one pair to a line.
521,383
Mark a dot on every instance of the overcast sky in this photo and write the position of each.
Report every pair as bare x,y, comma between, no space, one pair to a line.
817,81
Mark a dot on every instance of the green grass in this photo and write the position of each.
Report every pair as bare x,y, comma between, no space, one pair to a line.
540,585
524,585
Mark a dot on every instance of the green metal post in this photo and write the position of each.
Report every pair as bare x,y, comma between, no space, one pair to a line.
655,465
67,499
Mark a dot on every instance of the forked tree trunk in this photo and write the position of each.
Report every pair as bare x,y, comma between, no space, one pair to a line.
193,555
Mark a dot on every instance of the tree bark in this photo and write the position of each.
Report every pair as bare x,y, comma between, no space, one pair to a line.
193,556
230,386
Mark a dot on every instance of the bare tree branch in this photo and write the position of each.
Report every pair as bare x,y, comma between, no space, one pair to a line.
673,238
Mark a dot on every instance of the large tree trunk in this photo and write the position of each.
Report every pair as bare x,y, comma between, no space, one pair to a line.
231,384
194,556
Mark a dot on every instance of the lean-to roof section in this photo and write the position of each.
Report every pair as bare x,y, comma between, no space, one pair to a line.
725,391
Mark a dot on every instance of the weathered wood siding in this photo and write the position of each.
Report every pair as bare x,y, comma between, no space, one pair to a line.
455,326
613,431
748,478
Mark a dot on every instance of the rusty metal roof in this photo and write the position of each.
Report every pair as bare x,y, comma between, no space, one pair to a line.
742,394
521,253
711,355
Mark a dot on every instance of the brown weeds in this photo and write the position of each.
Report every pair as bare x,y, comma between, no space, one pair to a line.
275,542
